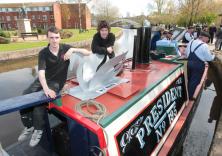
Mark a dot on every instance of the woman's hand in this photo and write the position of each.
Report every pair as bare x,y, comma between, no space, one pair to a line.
110,49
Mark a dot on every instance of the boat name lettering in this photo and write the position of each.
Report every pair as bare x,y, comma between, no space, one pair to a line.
155,120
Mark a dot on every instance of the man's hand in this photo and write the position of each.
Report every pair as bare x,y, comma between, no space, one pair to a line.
50,93
68,54
110,49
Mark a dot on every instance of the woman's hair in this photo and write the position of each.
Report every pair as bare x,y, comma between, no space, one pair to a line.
103,24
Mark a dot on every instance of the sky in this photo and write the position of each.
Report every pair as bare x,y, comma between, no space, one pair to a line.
133,7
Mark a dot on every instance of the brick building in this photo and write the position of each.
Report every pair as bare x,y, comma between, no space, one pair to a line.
43,15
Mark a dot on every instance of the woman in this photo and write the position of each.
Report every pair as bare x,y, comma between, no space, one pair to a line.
103,40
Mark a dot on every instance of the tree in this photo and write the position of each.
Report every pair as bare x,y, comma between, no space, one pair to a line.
190,8
104,10
159,5
171,8
66,14
197,11
207,18
167,12
80,18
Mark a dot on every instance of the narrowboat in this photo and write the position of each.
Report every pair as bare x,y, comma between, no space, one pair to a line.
131,106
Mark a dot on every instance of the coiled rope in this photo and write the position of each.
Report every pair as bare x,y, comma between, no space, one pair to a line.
95,116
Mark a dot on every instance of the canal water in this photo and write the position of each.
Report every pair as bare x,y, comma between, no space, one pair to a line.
15,76
200,134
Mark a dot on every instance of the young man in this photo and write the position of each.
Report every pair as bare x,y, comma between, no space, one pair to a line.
103,42
53,66
212,32
197,53
156,37
218,43
167,35
188,36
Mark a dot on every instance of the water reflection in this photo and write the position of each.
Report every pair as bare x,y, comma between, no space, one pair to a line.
18,64
15,76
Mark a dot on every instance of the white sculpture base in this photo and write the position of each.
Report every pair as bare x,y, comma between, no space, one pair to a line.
23,26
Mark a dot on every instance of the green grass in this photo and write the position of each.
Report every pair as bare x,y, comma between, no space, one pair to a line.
13,46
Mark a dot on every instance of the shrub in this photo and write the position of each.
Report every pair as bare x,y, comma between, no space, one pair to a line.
14,33
66,34
4,40
4,34
41,31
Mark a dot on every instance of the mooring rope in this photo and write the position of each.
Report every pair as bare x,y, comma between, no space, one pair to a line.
94,116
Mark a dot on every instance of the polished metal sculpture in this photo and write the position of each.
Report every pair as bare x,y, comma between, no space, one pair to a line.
94,83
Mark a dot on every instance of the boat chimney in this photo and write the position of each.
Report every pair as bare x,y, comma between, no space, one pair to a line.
141,48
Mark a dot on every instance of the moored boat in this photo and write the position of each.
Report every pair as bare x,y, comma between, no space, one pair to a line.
147,115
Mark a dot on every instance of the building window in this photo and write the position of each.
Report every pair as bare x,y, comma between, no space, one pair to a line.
15,18
9,26
33,17
3,9
41,9
44,17
47,9
34,25
51,17
27,9
14,9
8,18
39,17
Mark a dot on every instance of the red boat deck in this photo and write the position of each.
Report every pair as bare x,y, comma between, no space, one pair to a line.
141,80
146,76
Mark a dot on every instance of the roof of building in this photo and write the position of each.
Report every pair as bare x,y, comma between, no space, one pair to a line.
31,4
19,5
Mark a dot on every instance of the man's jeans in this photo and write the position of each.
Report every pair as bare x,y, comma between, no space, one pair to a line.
34,116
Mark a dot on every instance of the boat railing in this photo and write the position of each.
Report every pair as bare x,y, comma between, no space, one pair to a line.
24,101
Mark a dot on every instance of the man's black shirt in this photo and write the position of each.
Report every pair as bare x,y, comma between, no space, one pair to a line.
55,67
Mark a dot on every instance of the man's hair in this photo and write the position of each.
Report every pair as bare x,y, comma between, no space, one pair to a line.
165,32
190,27
53,29
103,24
170,32
204,34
